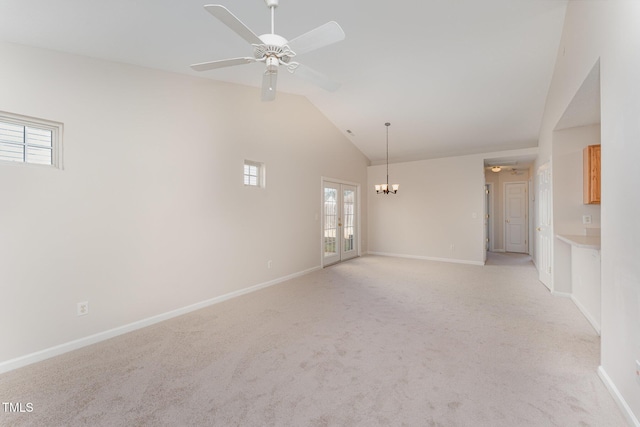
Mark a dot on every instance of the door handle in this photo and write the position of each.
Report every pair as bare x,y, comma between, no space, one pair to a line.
507,221
539,229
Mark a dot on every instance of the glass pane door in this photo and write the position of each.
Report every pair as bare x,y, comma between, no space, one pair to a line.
349,221
339,222
330,221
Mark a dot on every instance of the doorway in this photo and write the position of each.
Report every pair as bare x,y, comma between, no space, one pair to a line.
340,238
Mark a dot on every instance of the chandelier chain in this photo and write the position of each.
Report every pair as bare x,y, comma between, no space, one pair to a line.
387,125
386,188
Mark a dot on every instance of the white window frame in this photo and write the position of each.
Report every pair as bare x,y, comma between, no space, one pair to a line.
260,174
55,128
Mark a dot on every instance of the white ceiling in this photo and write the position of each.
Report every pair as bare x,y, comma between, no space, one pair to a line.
452,76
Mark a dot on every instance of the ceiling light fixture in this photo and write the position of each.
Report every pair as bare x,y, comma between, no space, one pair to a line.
496,169
384,188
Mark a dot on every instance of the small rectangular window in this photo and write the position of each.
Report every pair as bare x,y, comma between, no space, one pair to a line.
253,174
29,140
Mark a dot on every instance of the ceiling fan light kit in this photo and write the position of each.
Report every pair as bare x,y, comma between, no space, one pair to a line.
385,188
274,50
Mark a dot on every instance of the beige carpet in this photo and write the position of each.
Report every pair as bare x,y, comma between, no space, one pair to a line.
373,341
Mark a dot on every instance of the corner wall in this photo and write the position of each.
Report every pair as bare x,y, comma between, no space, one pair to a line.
609,31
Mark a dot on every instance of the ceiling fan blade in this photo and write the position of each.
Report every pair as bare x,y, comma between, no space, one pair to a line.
204,66
316,78
319,37
269,81
231,21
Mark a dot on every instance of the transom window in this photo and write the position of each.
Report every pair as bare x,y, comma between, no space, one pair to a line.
253,174
29,140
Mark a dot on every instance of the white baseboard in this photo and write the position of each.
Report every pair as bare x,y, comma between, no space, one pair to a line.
624,407
561,294
428,258
38,356
585,312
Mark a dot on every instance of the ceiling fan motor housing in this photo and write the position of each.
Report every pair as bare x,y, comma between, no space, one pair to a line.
274,46
271,3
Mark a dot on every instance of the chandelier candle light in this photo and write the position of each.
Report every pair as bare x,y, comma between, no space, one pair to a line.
384,188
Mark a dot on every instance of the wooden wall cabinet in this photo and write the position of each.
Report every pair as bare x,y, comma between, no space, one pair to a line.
591,175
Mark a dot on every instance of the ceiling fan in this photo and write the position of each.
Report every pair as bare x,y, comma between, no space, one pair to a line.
275,50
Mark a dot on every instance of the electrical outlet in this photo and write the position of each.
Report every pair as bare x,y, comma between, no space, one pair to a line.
83,308
586,219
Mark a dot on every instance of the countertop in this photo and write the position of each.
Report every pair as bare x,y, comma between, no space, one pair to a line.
587,242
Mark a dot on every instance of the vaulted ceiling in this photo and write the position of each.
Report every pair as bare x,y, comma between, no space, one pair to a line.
452,76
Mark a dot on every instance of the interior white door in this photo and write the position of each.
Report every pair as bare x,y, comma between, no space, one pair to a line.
515,202
543,225
339,222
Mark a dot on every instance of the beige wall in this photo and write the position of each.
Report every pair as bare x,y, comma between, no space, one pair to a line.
432,216
438,212
150,213
609,32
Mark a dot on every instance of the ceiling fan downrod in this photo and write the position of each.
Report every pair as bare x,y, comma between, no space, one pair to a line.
272,4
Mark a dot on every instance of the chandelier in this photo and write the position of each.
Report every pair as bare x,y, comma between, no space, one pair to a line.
384,188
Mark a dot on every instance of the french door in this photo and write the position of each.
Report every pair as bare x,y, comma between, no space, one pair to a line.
340,218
